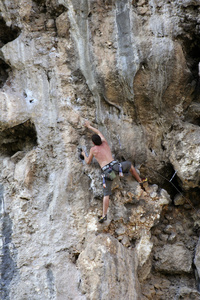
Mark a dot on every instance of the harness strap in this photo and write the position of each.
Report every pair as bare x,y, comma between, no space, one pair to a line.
104,180
109,166
120,170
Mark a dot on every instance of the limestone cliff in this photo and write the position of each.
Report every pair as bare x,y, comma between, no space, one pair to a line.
132,68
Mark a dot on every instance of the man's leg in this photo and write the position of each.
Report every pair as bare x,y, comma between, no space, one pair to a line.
106,196
105,205
105,209
137,177
135,174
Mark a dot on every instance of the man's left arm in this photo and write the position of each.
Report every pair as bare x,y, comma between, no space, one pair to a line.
88,159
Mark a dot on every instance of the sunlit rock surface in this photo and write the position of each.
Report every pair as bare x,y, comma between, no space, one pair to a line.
132,69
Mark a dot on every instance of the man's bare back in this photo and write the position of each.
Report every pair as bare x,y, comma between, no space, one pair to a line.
102,154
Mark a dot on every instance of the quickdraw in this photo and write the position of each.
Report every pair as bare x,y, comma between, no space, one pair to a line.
120,170
104,181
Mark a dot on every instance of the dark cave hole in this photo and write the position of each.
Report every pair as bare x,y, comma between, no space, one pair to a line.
193,195
22,137
41,6
40,2
166,179
193,53
58,10
4,72
133,242
196,228
7,34
74,256
191,46
190,41
172,186
194,120
51,8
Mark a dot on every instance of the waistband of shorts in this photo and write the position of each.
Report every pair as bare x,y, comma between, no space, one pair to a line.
111,164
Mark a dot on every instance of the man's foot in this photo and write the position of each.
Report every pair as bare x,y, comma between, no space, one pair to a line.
102,219
144,180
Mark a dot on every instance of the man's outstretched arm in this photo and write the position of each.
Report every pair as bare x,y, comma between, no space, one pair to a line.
88,159
87,124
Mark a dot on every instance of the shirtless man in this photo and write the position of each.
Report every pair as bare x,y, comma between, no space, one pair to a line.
101,151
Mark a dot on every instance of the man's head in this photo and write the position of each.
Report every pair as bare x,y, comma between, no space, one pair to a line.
96,139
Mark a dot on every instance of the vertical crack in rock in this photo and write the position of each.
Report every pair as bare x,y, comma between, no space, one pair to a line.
1,201
22,137
51,283
7,254
81,35
128,55
49,199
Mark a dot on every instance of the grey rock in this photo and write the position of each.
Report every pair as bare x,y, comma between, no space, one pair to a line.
172,238
113,261
197,258
187,293
127,67
174,259
179,200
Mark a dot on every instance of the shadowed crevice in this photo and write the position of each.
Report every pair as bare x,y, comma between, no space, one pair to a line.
4,72
22,137
7,34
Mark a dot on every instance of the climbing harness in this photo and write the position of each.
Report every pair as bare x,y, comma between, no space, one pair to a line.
110,175
170,181
110,165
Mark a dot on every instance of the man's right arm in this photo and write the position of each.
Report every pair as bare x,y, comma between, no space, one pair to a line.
88,159
87,124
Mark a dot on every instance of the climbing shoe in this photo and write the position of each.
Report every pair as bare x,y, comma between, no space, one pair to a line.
144,180
102,219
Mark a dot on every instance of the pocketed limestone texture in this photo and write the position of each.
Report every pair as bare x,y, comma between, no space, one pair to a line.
132,69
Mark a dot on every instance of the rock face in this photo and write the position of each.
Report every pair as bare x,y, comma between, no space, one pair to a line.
173,259
108,270
131,68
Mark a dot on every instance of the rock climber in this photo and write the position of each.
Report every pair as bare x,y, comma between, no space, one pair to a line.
110,167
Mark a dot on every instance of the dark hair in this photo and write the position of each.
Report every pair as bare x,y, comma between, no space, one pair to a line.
96,139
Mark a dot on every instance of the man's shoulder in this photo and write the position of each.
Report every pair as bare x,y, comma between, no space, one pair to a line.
105,142
92,149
